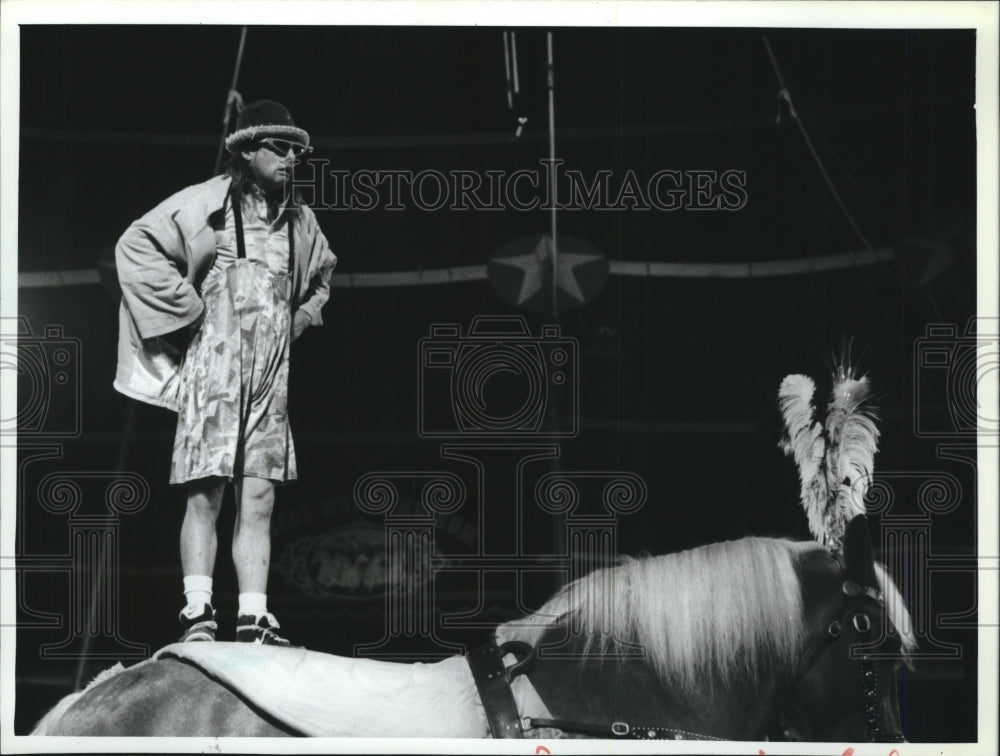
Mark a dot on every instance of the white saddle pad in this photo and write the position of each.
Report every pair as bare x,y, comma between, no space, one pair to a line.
335,696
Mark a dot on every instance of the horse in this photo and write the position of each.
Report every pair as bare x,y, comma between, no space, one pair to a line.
746,640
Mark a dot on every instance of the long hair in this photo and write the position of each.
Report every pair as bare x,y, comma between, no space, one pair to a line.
719,611
724,611
244,182
240,172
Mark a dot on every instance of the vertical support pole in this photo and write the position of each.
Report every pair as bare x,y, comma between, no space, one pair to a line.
555,395
229,101
550,69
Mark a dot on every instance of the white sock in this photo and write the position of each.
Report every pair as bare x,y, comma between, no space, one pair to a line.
198,590
254,604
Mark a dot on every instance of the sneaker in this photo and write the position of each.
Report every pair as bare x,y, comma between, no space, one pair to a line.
250,629
198,626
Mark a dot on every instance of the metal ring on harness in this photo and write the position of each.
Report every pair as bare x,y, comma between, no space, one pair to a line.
493,684
523,666
862,622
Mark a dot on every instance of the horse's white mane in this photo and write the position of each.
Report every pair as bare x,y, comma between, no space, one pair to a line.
713,612
716,612
895,610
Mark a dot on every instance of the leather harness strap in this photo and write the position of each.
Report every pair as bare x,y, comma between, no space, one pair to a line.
493,682
616,730
866,665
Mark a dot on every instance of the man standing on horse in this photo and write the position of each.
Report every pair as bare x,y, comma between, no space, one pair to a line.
217,281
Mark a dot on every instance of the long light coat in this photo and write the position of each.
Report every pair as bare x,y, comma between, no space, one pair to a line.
162,259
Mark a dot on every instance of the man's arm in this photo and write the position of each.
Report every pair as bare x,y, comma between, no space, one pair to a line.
150,260
322,261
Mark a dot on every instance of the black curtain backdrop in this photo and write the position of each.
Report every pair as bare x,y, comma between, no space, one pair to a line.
676,378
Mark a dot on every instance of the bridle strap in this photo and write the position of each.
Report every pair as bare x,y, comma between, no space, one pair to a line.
616,730
869,685
493,683
866,666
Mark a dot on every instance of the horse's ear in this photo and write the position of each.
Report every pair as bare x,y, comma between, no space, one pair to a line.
859,557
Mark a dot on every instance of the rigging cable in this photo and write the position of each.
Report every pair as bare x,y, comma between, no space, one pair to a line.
232,96
786,95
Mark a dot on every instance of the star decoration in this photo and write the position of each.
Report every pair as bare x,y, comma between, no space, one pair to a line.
535,265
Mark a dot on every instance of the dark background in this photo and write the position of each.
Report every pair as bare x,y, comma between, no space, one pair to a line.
678,376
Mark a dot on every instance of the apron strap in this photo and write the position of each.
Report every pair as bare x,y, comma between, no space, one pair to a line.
291,270
291,247
241,247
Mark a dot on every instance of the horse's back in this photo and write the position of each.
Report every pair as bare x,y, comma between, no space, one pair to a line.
165,698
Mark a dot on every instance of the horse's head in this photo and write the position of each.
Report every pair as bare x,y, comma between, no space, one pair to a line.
733,641
847,686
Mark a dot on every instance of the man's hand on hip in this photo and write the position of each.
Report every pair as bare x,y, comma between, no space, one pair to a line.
299,324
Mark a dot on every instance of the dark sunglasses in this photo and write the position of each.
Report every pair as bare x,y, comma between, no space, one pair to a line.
282,146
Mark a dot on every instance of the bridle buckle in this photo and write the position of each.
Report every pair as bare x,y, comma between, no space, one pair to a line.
619,729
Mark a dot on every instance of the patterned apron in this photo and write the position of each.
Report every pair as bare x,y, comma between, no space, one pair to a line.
232,419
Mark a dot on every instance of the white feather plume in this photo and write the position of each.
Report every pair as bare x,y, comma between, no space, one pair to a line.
852,441
836,458
803,440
